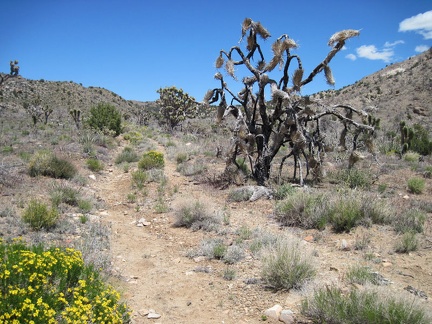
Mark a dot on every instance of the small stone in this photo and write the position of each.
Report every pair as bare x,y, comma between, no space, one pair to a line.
274,312
92,176
153,316
406,197
139,225
344,246
143,312
386,264
287,316
199,259
309,238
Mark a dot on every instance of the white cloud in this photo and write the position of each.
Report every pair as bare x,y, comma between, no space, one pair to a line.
421,48
388,44
372,53
421,23
351,57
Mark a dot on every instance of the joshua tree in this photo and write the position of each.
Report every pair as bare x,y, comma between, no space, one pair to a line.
76,115
14,70
263,127
175,106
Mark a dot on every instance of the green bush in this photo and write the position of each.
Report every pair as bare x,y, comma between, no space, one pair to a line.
416,185
407,243
283,191
345,215
195,215
127,155
54,286
94,165
62,193
139,178
285,265
330,305
354,178
105,117
411,220
303,210
37,215
151,160
362,275
47,164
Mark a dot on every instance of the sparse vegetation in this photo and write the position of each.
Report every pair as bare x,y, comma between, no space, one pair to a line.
151,160
45,163
105,117
416,185
39,216
195,215
94,165
330,305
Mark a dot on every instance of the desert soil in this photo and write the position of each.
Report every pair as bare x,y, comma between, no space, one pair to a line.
154,273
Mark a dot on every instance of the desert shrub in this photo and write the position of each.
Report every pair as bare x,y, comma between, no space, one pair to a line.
63,193
37,215
303,210
54,286
407,243
411,220
239,194
354,178
229,274
94,165
421,142
362,275
181,157
283,191
345,214
234,253
139,178
84,205
416,185
330,305
261,240
195,215
151,160
47,164
190,169
134,137
411,156
212,248
127,155
285,265
105,117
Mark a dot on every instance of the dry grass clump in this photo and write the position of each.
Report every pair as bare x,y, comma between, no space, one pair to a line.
330,305
196,215
45,163
286,264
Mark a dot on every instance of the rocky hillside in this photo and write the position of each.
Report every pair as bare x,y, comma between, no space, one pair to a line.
400,91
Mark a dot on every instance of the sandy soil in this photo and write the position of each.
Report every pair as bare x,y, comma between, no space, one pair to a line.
155,273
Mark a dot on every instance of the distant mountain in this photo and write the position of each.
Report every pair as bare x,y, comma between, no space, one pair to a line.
400,91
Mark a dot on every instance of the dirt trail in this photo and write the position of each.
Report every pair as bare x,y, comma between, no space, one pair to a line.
155,273
151,261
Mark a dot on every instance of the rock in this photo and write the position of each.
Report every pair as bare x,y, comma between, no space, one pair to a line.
153,315
386,264
309,238
406,197
287,316
344,246
274,312
92,176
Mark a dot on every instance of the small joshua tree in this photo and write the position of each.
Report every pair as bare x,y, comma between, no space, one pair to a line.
76,115
175,106
263,127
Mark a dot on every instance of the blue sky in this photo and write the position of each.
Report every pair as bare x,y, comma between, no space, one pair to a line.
135,47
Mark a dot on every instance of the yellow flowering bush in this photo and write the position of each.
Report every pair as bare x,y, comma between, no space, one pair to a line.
54,285
151,160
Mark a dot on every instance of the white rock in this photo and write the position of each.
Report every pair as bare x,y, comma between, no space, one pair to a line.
153,315
274,312
92,176
287,316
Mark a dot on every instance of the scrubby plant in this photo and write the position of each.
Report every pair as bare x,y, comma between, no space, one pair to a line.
139,178
411,220
105,117
362,275
85,205
175,106
415,138
64,193
127,155
190,169
283,191
331,305
151,160
229,274
39,216
354,178
287,265
234,253
94,165
47,164
411,156
416,185
306,210
54,285
407,243
195,215
288,119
